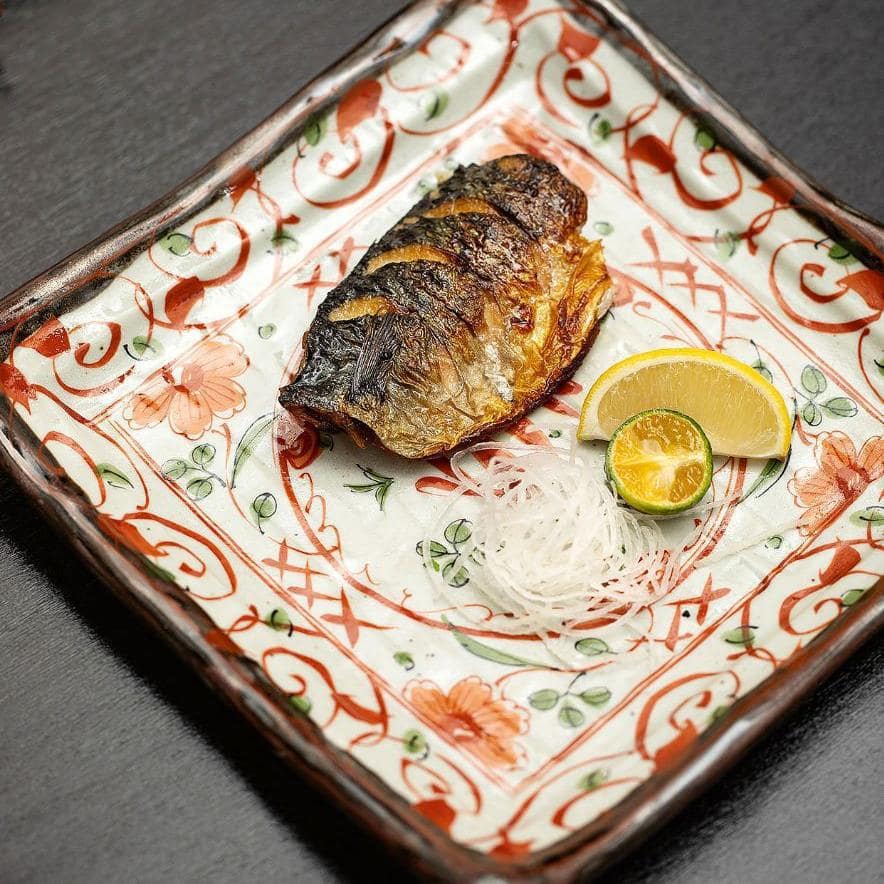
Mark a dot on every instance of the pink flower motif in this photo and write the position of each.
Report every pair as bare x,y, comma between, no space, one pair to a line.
194,392
484,727
841,477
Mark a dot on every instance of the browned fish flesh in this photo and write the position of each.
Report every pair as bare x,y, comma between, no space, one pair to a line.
463,317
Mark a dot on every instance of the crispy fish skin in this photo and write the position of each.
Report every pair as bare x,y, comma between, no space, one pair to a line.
461,318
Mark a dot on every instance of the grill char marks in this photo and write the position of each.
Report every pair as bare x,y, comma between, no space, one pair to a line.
460,318
529,191
482,244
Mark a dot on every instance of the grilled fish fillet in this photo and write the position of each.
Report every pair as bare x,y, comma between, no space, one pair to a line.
461,318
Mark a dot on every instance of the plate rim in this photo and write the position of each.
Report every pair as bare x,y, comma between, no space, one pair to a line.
387,815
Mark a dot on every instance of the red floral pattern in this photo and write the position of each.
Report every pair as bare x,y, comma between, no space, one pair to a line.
838,480
191,394
468,714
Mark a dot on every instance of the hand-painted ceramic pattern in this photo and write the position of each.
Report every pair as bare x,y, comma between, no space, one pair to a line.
156,395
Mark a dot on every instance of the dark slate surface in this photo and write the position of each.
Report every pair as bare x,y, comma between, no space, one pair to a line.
115,762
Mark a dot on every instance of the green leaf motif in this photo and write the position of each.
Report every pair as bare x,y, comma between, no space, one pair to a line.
377,483
157,571
199,489
486,652
554,434
414,742
704,138
774,542
266,331
450,561
870,515
381,492
278,619
301,704
142,348
603,227
436,549
763,370
176,243
811,415
601,130
596,696
246,447
880,366
840,406
459,531
741,635
544,699
592,647
840,254
571,716
264,507
717,713
813,380
726,243
477,556
404,659
175,468
455,575
315,129
593,779
433,104
112,476
852,596
770,474
284,242
203,454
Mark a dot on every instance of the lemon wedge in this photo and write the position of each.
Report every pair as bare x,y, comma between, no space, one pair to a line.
741,413
660,461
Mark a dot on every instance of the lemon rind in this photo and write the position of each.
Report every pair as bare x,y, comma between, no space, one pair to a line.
676,354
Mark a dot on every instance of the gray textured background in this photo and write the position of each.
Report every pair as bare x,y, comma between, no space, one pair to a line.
115,762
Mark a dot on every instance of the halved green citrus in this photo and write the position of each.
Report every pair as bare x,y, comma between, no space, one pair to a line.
660,461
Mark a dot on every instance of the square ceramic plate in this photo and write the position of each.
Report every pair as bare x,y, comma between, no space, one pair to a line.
141,376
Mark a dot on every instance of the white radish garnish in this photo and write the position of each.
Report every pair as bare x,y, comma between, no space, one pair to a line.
551,549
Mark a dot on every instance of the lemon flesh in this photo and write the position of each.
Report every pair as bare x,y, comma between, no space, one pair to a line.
741,413
660,461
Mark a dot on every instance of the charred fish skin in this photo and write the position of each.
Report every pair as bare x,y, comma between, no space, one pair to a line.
529,191
461,318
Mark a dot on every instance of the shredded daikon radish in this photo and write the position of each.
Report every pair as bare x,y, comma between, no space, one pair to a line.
550,547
